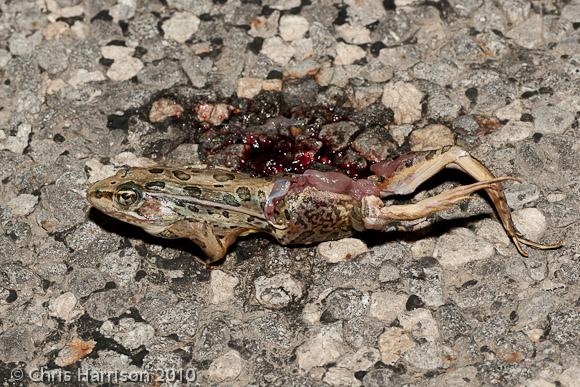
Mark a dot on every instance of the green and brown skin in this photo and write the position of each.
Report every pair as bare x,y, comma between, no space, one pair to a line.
213,207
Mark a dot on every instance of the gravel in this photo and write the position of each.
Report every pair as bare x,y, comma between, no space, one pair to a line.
88,87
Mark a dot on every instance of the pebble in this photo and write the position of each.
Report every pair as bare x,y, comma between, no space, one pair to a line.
354,34
552,120
197,70
277,50
227,367
511,132
400,133
293,27
74,351
511,112
387,306
128,332
18,142
248,87
4,57
121,266
461,246
363,359
528,34
425,356
324,348
264,27
347,54
421,324
405,101
282,4
389,273
531,222
338,376
163,108
278,291
64,307
393,343
124,69
116,52
338,134
21,45
123,10
304,49
215,114
22,205
222,286
518,195
341,250
181,26
82,76
431,137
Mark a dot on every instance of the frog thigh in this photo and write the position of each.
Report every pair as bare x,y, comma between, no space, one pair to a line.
201,234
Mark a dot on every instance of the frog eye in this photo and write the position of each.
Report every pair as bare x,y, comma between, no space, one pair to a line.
127,196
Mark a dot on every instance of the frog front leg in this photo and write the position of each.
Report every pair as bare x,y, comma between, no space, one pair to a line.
202,234
404,175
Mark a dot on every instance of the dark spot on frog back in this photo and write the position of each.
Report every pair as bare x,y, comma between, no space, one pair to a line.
192,191
221,177
181,175
231,200
244,193
156,170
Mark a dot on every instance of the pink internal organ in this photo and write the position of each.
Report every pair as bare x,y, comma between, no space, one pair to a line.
339,183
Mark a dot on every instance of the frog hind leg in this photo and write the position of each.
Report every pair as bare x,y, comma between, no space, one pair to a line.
202,234
406,179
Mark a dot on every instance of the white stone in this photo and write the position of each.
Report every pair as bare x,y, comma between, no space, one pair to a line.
227,367
248,87
311,314
552,119
98,171
421,324
293,27
116,52
354,34
264,27
128,332
341,250
461,246
513,131
4,57
570,376
338,376
326,347
387,306
531,222
361,360
425,356
222,286
303,49
528,34
511,112
278,291
365,12
53,86
393,343
131,160
405,101
347,54
82,76
282,4
431,137
22,45
19,141
124,69
23,205
123,10
181,26
277,50
64,307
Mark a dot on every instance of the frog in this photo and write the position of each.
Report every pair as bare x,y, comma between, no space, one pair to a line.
214,207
